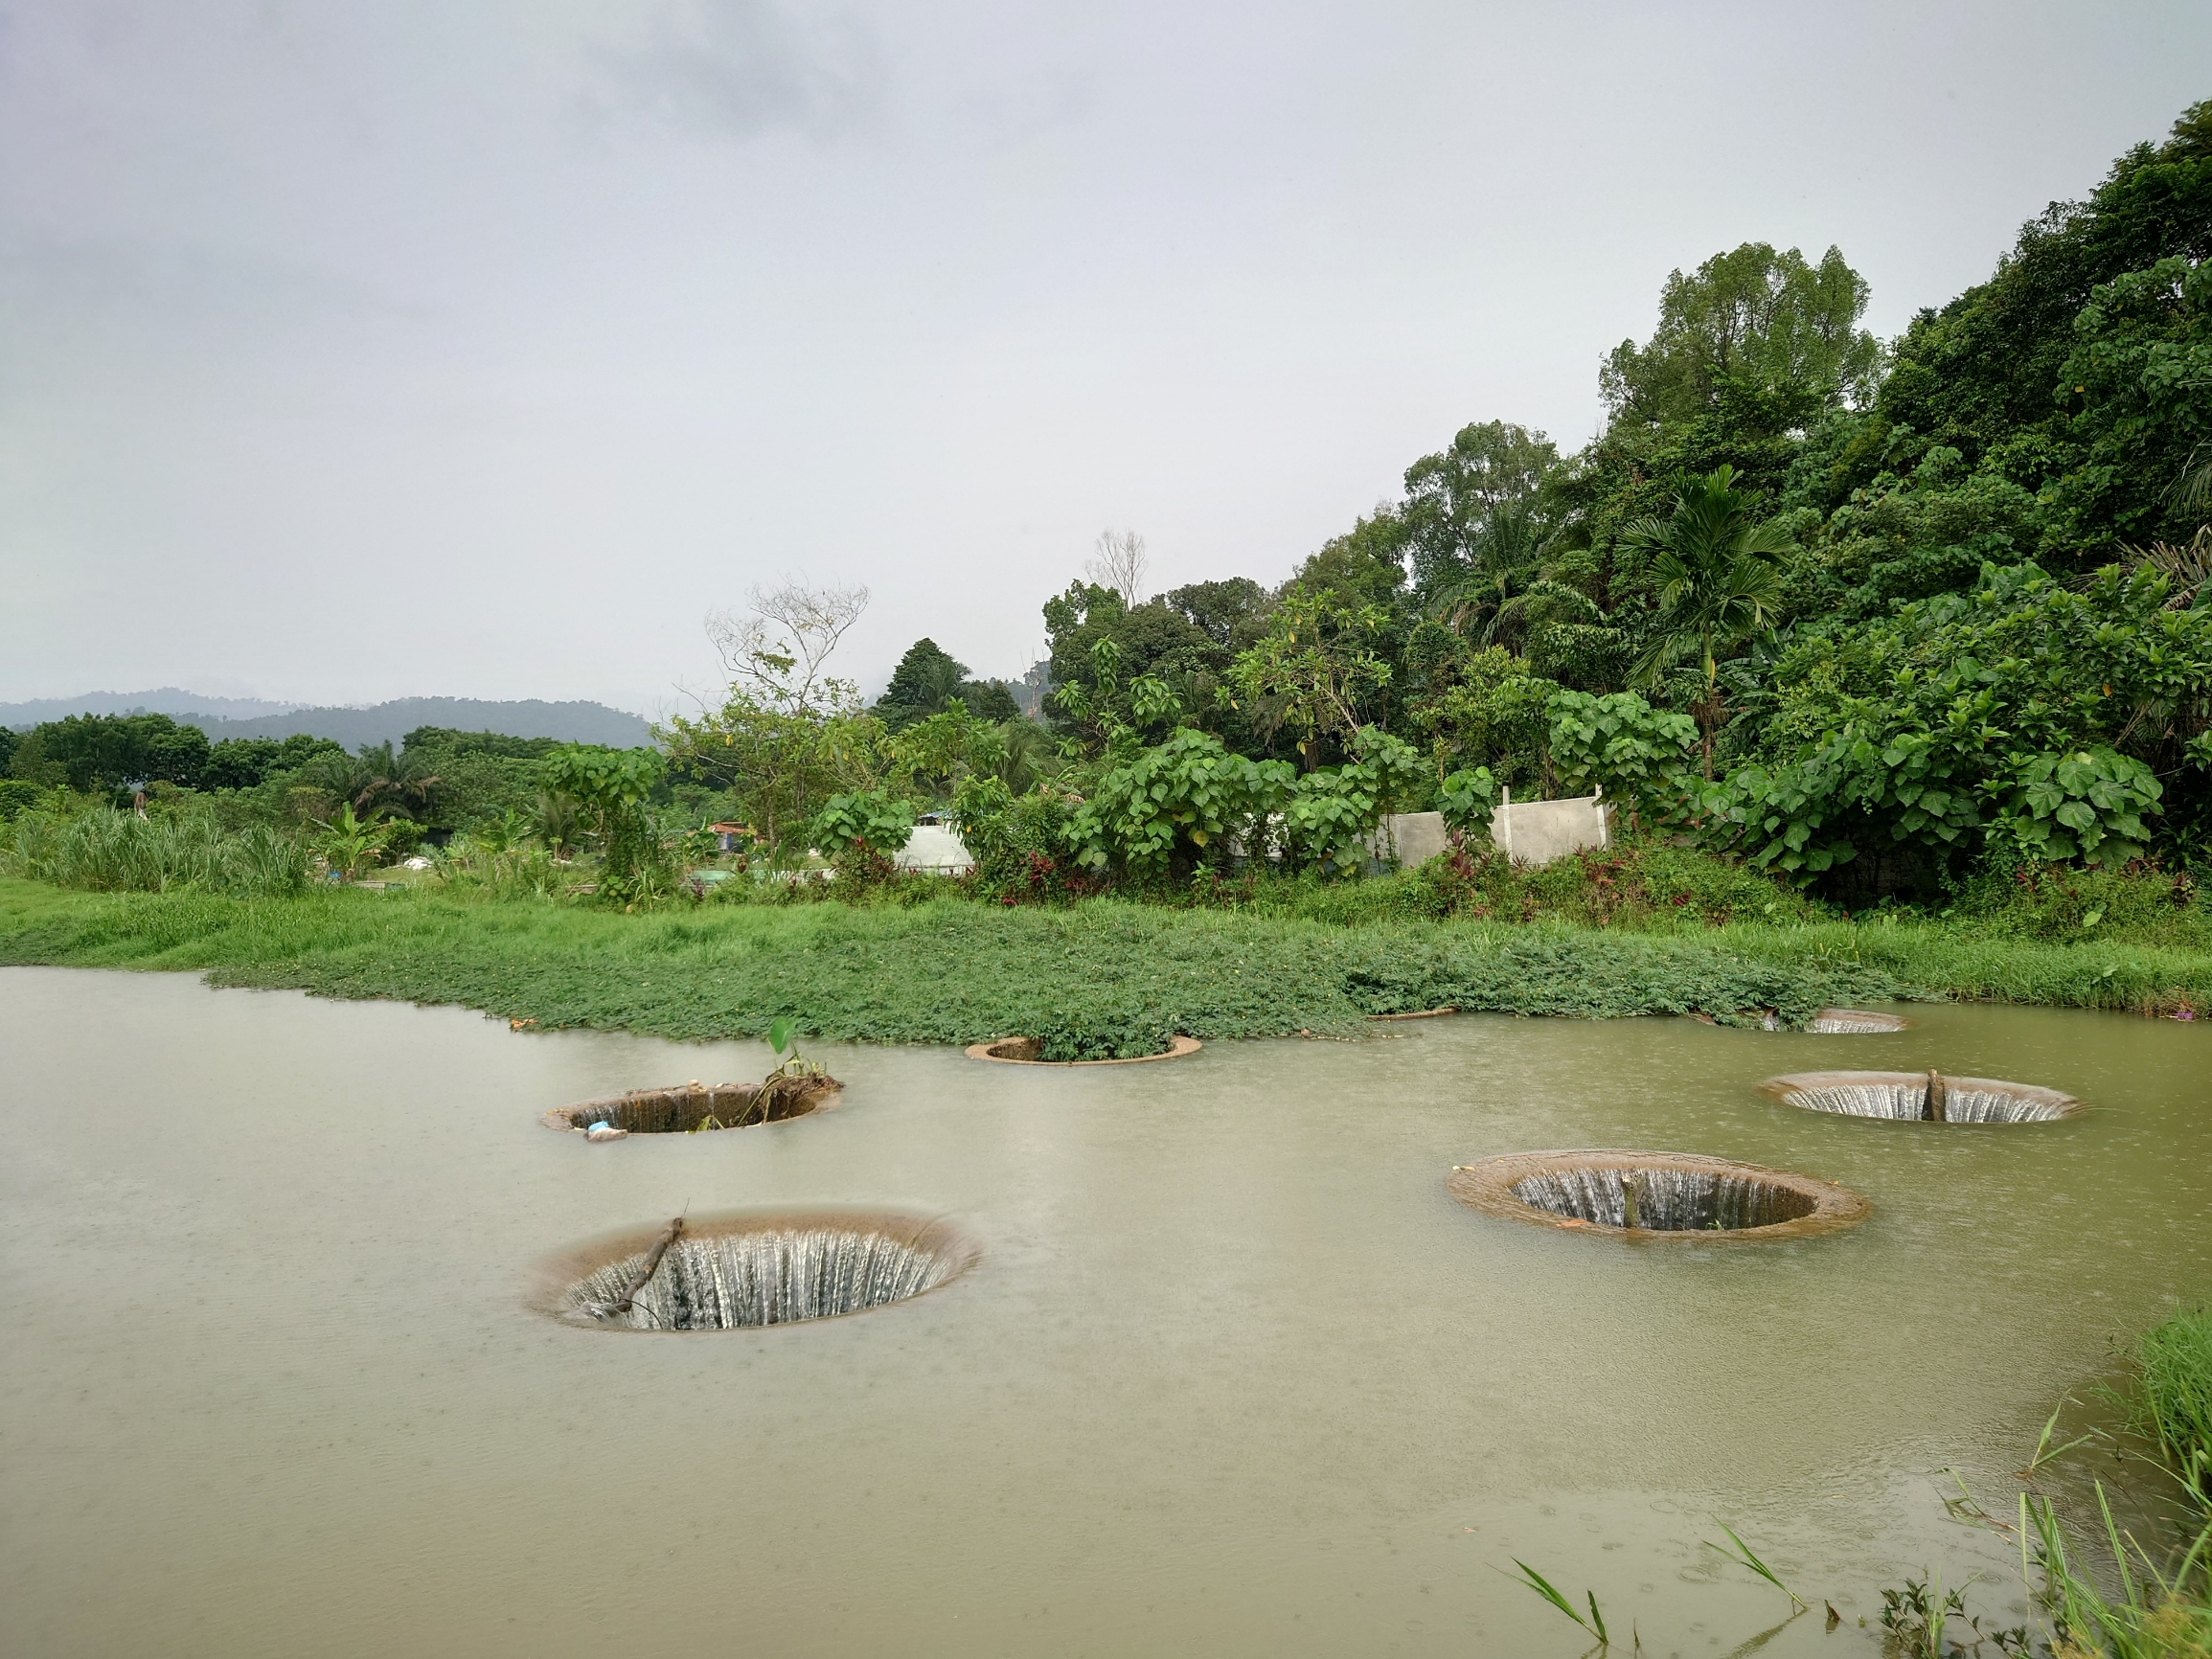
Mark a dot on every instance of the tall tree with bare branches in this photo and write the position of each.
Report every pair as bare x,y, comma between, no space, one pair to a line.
1119,563
777,649
789,734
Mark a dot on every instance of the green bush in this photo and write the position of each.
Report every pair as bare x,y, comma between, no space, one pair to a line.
1329,812
1021,843
1174,805
1182,802
18,795
2068,903
613,785
1467,800
866,822
1985,720
1644,757
1103,1035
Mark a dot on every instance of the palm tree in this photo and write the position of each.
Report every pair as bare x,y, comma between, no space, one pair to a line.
1717,583
559,822
1028,750
1506,552
395,782
2193,489
377,781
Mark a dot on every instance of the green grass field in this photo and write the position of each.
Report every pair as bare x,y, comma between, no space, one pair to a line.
1101,974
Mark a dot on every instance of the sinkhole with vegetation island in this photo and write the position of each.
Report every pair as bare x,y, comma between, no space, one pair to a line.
688,1109
1216,1330
1025,1051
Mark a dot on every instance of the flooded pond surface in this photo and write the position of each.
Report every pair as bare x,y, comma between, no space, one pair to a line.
1234,1375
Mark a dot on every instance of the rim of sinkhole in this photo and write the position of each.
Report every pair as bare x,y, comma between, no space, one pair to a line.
750,1270
1904,1096
1679,1196
683,1108
1856,1022
1021,1050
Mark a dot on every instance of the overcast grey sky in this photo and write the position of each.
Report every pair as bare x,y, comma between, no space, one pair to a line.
357,351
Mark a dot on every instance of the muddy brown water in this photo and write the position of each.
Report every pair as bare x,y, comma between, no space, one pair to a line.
1234,1375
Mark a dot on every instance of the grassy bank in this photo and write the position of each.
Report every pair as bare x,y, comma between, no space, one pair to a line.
1103,976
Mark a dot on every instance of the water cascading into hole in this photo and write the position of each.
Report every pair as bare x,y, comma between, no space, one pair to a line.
1665,1201
748,1272
1918,1096
1853,1022
1656,1195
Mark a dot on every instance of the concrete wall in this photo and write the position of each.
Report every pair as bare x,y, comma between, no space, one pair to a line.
1538,832
1526,832
1410,838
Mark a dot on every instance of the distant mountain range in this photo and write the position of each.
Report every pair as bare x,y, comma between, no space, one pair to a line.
166,700
221,717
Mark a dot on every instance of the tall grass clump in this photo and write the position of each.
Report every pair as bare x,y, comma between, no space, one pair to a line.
115,851
469,868
2173,1400
2151,1612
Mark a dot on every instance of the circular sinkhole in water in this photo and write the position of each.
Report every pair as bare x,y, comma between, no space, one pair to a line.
740,1272
1855,1022
686,1107
1023,1051
1923,1097
1672,1194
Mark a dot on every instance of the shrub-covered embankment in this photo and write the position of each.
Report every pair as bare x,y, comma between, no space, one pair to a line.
943,972
1104,976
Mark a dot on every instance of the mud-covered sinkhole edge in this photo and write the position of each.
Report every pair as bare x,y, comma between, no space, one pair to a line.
748,1270
1902,1097
1679,1196
1022,1050
684,1108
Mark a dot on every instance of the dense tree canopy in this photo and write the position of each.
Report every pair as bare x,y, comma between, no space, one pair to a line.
1753,321
1843,564
92,752
927,681
1990,375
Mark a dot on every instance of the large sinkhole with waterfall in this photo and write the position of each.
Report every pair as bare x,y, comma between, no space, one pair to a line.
312,1343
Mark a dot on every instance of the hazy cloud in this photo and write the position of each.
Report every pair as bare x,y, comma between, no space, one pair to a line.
332,363
741,68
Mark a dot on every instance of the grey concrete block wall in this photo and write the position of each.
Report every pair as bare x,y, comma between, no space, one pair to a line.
1526,832
1410,838
1538,832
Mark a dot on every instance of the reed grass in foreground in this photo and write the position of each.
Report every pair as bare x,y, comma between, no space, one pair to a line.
2138,1600
2172,1405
